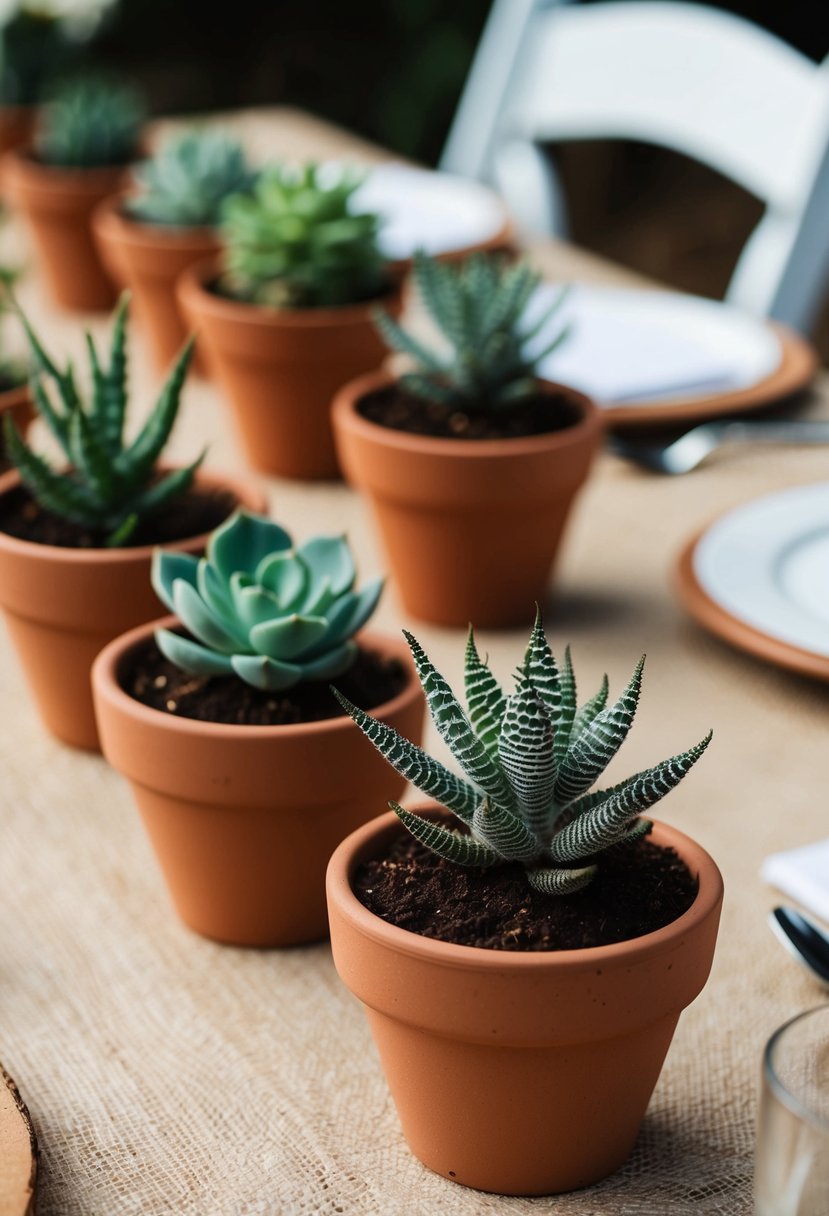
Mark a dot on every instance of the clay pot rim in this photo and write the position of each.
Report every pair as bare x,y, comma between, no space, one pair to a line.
18,395
360,844
245,495
110,218
344,414
61,178
192,286
107,688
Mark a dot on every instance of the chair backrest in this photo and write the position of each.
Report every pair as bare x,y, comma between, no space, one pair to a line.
680,75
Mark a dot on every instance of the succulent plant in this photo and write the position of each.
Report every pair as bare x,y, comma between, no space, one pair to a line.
257,607
530,760
90,124
295,243
109,485
33,48
480,308
189,178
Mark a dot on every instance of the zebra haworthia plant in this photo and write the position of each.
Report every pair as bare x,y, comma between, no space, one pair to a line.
257,607
110,485
483,309
530,759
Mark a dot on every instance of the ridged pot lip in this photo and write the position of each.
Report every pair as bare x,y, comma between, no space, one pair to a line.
249,497
108,691
362,844
61,179
192,289
110,219
346,417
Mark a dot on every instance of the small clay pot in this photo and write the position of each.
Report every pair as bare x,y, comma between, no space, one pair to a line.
149,259
280,368
61,606
243,819
58,204
18,403
471,528
523,1073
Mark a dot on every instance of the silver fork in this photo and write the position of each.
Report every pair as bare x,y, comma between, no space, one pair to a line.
684,454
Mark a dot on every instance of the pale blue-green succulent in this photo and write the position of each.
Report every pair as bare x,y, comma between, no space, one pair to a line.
529,761
188,179
259,608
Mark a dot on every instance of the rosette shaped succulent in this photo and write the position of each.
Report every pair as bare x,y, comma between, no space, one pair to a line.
257,607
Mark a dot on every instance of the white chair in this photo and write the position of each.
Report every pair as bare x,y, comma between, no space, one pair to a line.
683,76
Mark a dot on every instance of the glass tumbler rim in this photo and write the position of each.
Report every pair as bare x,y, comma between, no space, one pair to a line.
777,1086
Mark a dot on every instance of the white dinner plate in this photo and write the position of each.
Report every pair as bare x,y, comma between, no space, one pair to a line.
437,212
655,348
759,576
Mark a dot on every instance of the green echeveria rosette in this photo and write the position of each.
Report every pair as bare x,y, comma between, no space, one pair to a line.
261,609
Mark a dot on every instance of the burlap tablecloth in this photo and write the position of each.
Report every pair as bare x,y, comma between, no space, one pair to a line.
169,1075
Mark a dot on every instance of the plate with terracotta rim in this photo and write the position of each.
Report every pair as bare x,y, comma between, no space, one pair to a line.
758,578
661,358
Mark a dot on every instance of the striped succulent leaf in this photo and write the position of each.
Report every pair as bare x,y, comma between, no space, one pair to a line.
530,760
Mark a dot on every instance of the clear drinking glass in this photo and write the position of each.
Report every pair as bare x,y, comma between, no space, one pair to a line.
792,1168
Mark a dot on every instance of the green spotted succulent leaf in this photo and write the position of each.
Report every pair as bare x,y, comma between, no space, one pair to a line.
247,605
107,486
525,797
482,309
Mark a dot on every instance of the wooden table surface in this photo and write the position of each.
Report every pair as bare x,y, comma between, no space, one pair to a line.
166,1074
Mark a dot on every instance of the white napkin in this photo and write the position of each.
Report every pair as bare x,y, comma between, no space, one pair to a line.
803,875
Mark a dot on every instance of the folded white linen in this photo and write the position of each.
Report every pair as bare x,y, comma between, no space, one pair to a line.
803,875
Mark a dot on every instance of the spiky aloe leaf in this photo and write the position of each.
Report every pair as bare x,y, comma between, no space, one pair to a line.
591,753
451,846
429,776
504,832
454,728
561,882
110,398
485,698
56,491
57,423
556,688
398,338
89,457
590,710
602,825
525,752
137,462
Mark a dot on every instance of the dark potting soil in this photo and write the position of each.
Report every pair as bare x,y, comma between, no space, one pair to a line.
399,410
191,514
155,681
639,887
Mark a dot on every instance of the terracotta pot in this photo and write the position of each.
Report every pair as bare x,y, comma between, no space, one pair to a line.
17,126
58,205
471,527
62,605
149,259
524,1073
17,402
280,369
243,819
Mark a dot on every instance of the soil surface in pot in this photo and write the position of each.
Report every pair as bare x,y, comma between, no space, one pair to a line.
399,410
197,511
639,887
155,681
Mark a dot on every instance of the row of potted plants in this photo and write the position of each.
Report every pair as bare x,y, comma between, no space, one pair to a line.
524,943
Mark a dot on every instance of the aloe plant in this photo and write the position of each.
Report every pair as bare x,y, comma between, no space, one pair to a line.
480,309
189,178
261,609
110,485
90,124
295,242
530,759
